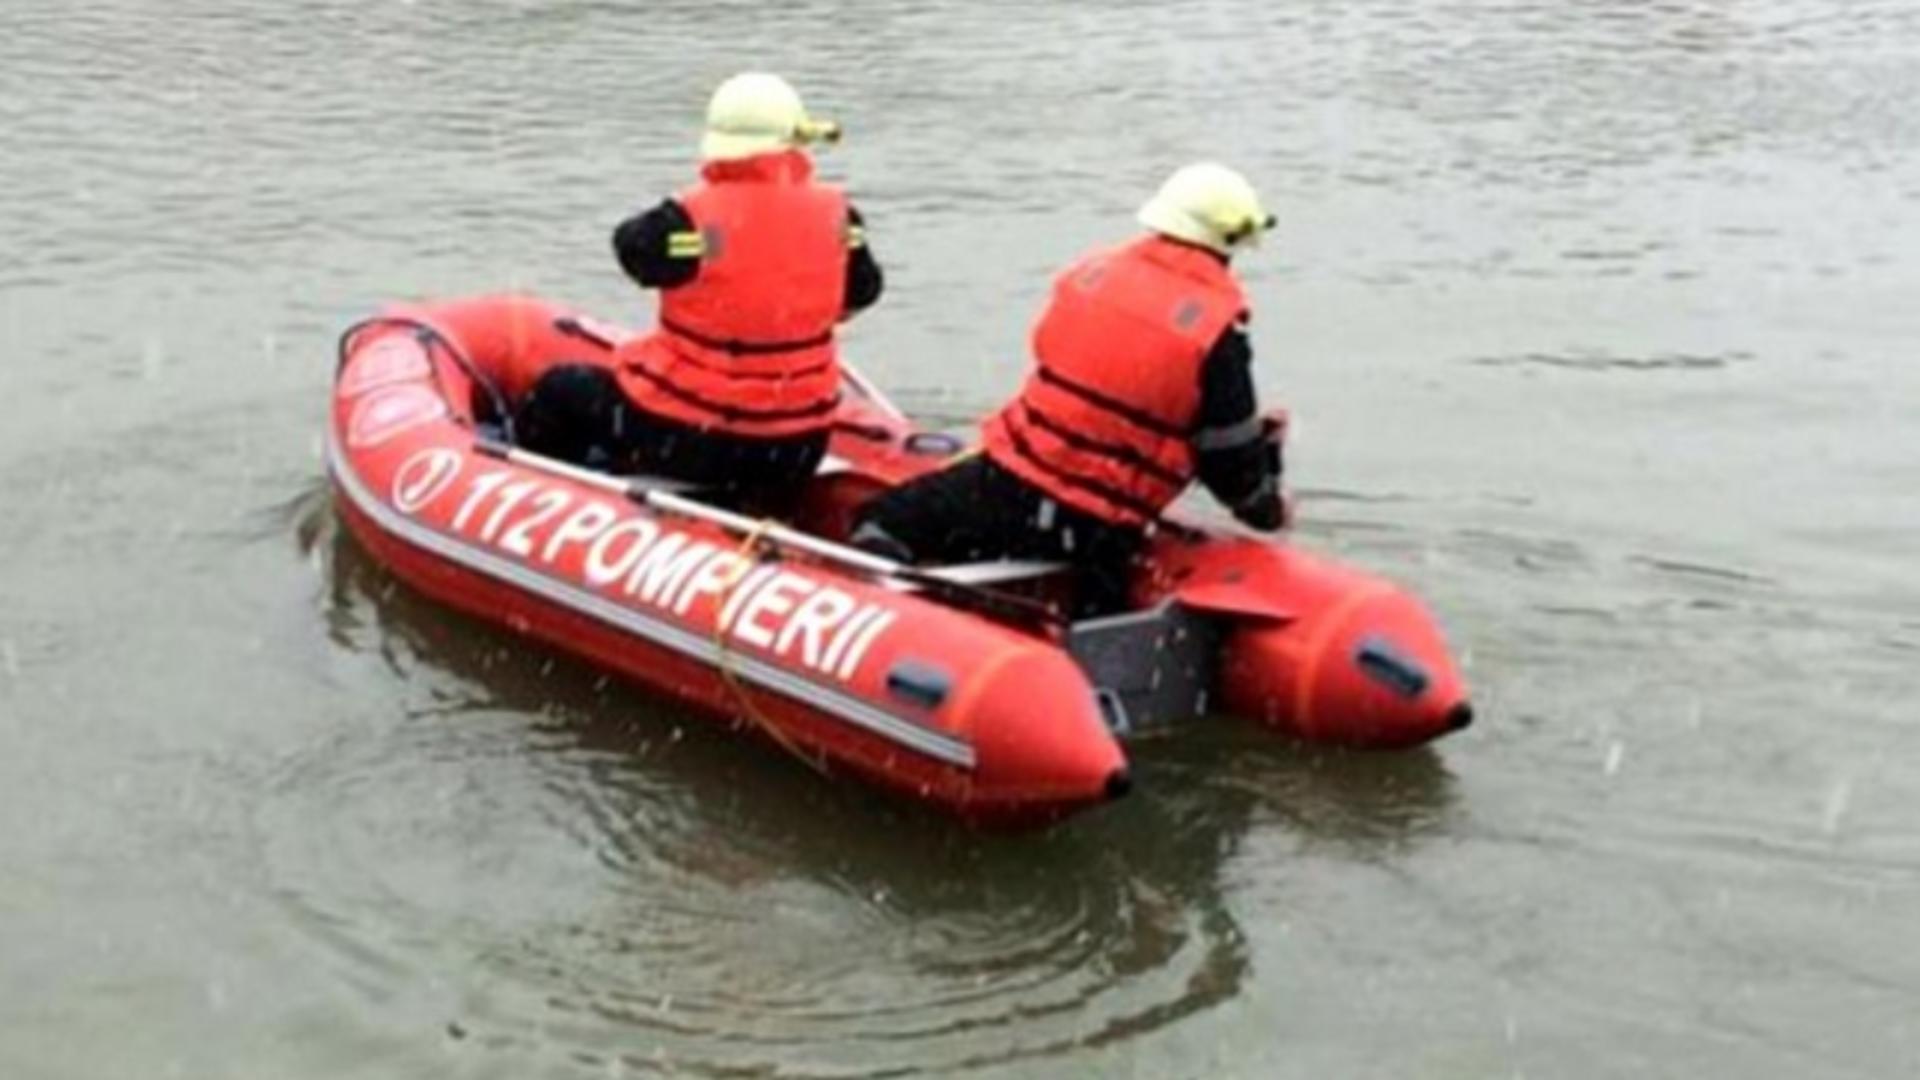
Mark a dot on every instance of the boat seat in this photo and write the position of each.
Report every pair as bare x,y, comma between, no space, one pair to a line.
640,483
996,572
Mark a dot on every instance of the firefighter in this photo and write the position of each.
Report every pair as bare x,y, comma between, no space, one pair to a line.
1141,384
756,264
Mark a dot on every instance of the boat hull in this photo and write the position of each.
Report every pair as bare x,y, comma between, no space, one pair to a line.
856,669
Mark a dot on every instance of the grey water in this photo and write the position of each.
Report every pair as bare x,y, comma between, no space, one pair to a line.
1597,321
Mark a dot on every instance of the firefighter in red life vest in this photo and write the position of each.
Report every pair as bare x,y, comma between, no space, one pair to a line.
1142,384
756,264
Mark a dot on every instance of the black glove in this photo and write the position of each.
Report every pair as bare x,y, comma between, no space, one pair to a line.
1264,510
1275,462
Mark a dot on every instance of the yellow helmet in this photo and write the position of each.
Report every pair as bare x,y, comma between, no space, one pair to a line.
757,113
1210,205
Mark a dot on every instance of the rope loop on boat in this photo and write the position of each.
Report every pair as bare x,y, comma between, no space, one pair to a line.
429,336
748,552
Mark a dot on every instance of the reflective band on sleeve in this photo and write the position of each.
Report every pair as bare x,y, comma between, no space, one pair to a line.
856,236
1229,436
686,245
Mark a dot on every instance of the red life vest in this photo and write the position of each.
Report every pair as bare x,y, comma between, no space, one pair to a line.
746,347
1105,422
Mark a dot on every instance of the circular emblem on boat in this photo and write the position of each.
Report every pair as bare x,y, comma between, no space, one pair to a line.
390,410
423,477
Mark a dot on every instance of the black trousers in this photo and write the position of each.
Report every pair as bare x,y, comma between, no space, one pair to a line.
577,413
975,510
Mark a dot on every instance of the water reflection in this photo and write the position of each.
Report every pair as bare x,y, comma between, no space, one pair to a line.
1318,799
629,878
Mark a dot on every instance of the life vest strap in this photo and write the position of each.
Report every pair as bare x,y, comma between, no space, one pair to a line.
1126,455
822,408
795,374
745,348
1137,417
1141,508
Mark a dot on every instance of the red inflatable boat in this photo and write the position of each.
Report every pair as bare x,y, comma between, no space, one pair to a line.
957,685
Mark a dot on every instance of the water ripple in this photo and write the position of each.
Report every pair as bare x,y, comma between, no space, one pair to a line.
597,858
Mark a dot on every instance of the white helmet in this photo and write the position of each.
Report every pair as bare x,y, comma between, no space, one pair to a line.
1210,205
757,113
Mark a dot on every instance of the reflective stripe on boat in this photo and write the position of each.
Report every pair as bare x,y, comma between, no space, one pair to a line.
853,710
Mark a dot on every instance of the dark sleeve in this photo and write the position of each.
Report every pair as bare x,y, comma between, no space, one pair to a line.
1237,462
864,280
646,249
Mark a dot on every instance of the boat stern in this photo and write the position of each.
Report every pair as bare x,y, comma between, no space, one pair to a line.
1372,670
